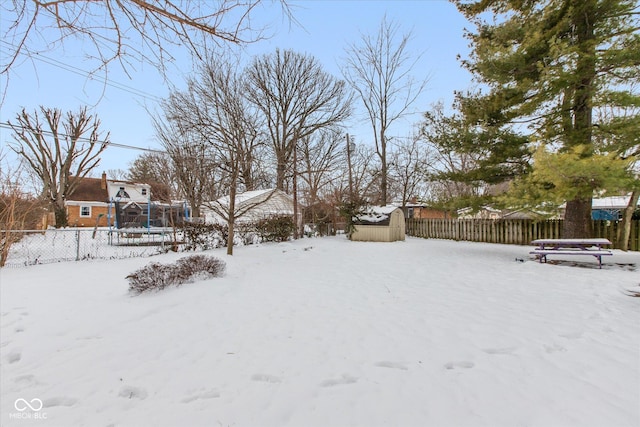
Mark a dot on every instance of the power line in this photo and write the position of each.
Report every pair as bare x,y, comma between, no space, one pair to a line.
86,74
81,139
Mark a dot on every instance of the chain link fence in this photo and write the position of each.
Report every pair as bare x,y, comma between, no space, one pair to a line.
32,247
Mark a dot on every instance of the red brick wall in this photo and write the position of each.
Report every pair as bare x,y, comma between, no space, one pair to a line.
427,213
75,220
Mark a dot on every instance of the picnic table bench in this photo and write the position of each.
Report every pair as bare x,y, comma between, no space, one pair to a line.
591,247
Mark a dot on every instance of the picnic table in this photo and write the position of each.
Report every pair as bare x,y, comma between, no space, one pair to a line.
590,247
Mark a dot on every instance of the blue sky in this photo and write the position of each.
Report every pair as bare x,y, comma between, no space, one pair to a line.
324,30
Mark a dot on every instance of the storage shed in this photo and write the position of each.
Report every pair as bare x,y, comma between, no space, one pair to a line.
379,224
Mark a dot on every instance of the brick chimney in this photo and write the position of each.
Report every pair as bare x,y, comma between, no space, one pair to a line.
103,182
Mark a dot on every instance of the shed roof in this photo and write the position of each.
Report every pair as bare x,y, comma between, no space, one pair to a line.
375,215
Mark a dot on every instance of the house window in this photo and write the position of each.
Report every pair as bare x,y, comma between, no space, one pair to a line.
85,211
122,194
144,191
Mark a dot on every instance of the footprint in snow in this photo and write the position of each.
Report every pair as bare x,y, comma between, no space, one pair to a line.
14,357
572,335
133,392
209,394
59,401
554,348
456,365
346,379
266,378
505,350
392,365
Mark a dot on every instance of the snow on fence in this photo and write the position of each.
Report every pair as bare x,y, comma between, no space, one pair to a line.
511,231
31,247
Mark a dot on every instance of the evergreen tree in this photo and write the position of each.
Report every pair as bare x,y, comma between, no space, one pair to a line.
470,158
552,65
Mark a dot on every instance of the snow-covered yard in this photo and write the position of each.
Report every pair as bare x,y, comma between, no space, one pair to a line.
327,332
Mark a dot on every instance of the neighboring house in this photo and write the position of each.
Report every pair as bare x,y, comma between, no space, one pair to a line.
88,205
485,212
131,203
610,208
418,210
251,206
379,224
116,203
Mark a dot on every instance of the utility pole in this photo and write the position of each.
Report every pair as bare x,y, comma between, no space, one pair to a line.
349,149
295,185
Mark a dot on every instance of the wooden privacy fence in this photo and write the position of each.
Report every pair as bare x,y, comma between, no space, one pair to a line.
510,231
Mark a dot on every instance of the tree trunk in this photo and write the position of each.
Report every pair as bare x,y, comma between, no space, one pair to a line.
232,214
61,216
195,209
281,170
624,229
383,161
577,220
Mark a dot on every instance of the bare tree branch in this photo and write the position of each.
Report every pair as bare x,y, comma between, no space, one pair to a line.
128,32
61,158
379,70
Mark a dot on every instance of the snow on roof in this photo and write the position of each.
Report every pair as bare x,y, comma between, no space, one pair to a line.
614,202
243,197
376,213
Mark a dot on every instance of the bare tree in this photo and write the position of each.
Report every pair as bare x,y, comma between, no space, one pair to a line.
127,31
409,168
119,174
379,70
297,98
322,157
364,174
195,168
60,156
214,107
154,168
19,210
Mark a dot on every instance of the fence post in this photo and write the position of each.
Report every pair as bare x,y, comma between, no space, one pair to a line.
77,245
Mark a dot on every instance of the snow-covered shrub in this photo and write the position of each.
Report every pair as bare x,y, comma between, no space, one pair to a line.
197,265
156,276
275,229
246,234
201,236
153,276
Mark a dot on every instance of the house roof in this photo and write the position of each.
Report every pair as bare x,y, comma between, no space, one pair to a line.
121,182
249,195
614,202
89,190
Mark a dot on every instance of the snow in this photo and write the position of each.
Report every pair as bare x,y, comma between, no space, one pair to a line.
375,214
614,202
327,332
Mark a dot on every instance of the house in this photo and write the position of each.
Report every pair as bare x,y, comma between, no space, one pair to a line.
414,209
115,203
379,224
88,204
250,206
485,212
610,208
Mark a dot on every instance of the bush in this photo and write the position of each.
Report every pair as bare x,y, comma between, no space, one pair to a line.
156,276
201,236
275,229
